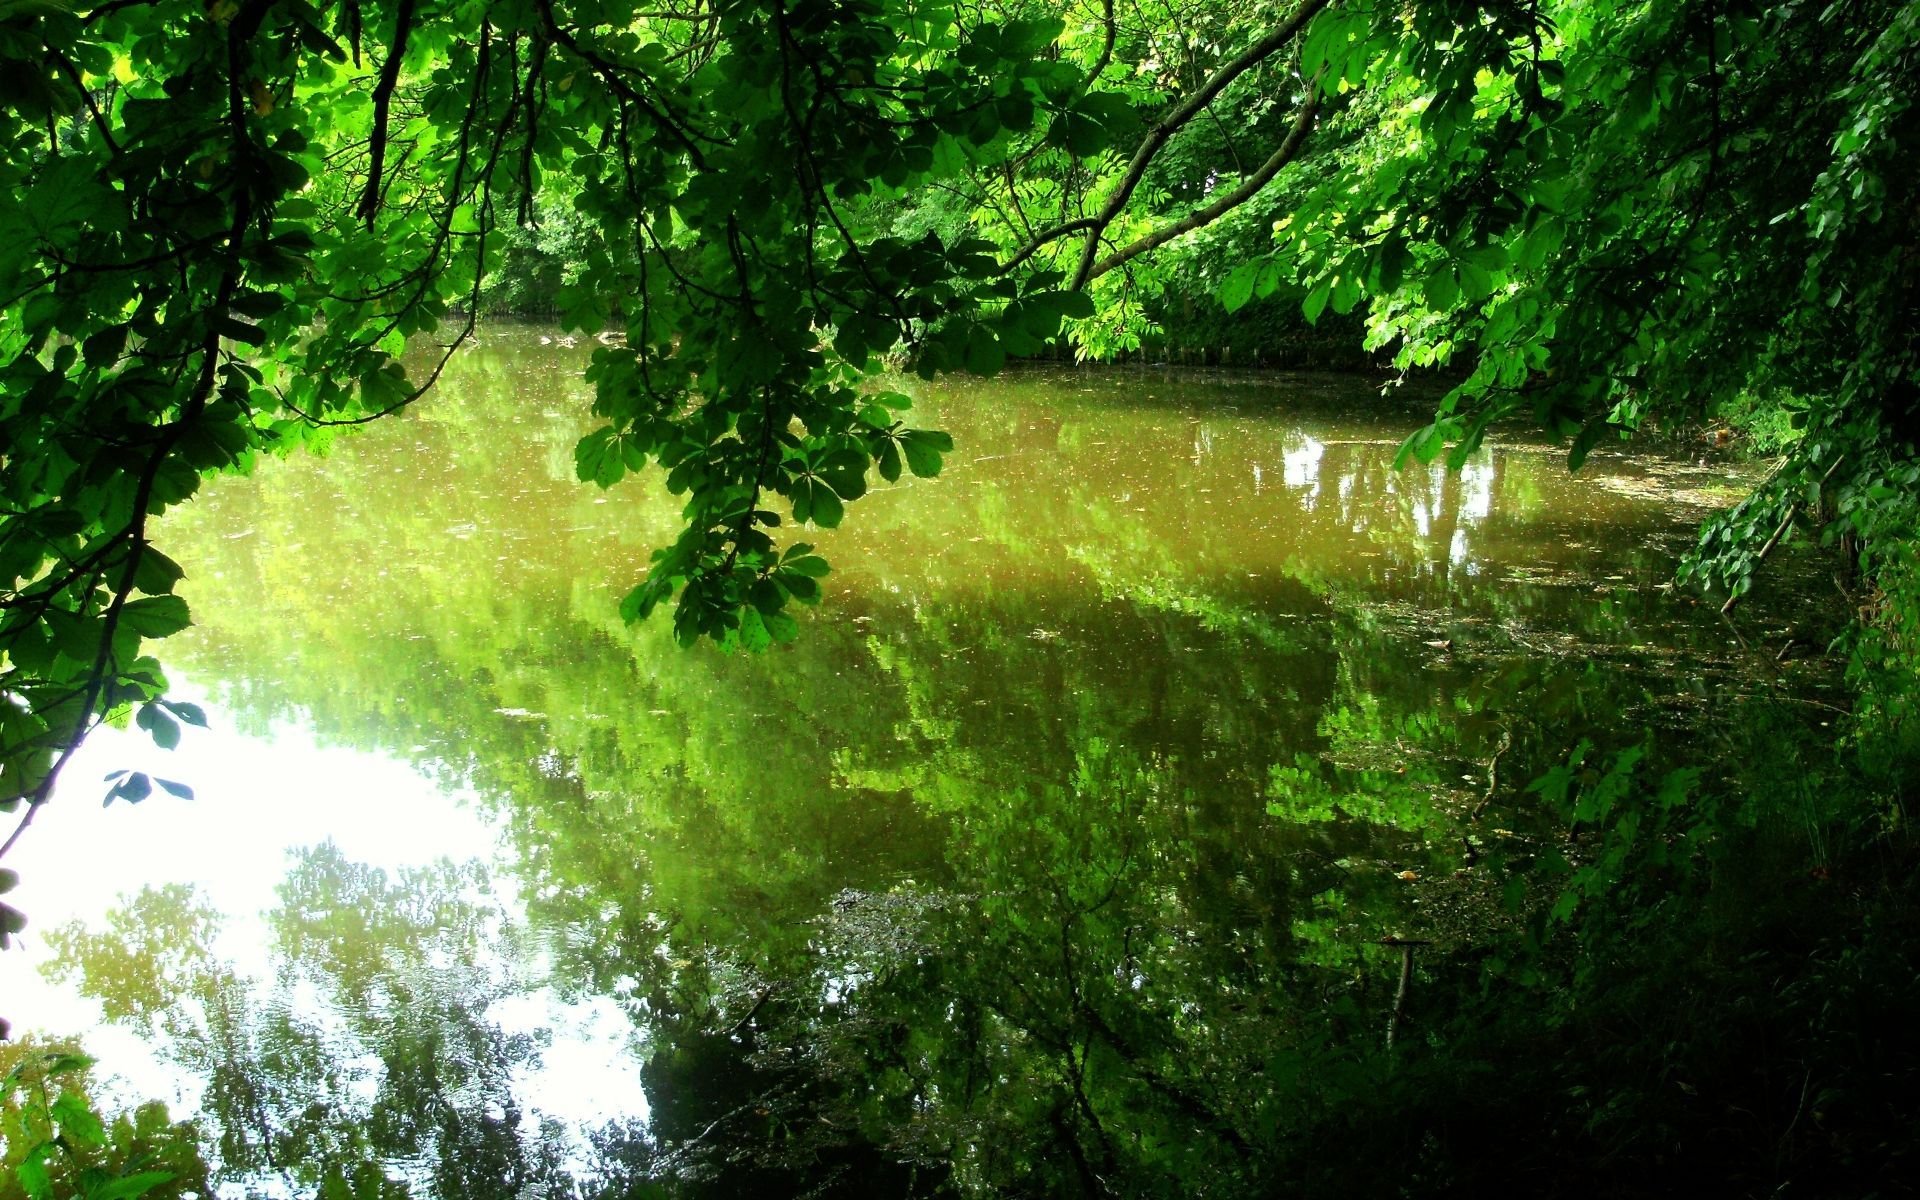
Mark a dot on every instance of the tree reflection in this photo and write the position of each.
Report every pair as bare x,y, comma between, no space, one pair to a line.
1054,860
365,1058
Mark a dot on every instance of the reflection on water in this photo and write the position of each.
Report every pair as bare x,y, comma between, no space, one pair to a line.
1051,859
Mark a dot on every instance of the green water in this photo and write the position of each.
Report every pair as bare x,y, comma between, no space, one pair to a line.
1042,863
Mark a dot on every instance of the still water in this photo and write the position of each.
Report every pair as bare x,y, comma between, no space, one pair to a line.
1111,755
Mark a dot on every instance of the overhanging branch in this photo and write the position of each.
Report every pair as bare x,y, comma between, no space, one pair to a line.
1288,150
382,98
1175,120
1156,140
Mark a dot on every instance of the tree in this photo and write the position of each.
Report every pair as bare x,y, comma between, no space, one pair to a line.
223,223
1654,214
57,1142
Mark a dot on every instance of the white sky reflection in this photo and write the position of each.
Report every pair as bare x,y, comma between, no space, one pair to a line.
256,800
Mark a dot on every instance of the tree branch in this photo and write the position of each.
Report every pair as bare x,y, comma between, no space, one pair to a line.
382,98
1288,151
1040,240
1174,121
1156,140
96,694
614,76
1106,49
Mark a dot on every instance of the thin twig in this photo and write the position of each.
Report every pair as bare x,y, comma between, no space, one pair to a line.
1493,773
1793,510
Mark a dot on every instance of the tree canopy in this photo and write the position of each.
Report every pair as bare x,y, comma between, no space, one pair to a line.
221,224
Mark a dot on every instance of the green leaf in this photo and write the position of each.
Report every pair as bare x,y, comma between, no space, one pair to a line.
1346,294
1423,444
1393,263
1584,441
156,616
32,1173
12,921
828,511
1316,301
1237,289
1541,242
191,714
164,730
10,9
77,637
753,634
1077,134
265,304
814,500
1470,439
597,458
1513,893
134,788
804,589
984,353
1476,282
639,603
313,39
239,331
766,596
157,574
1102,119
77,1122
923,448
60,1064
104,348
845,471
129,1187
1031,36
1075,305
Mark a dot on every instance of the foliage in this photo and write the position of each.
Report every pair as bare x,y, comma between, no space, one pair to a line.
1623,217
225,225
58,1145
929,672
1713,998
538,262
230,222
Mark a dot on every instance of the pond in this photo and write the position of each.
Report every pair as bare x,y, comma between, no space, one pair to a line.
1085,810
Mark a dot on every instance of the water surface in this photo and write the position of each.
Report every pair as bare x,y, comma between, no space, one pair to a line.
1108,760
